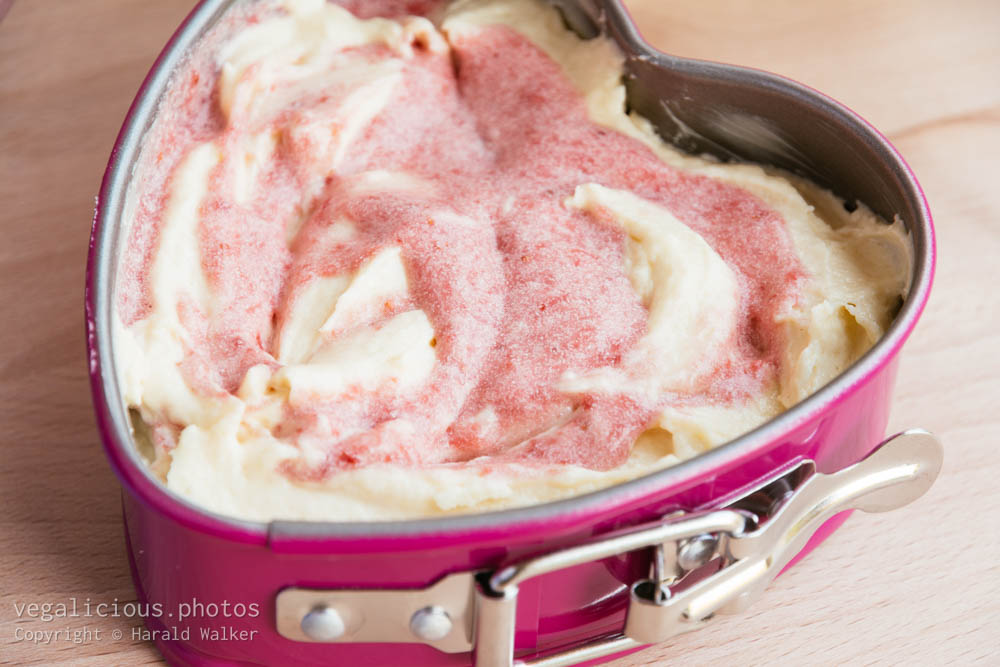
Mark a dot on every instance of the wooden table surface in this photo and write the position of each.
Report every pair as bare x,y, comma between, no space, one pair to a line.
917,586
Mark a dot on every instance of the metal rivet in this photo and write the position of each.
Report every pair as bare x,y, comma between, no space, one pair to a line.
323,624
430,623
697,551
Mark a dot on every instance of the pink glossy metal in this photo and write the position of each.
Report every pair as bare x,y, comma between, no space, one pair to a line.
182,556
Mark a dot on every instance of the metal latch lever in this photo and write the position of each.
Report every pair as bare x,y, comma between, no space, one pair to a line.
895,474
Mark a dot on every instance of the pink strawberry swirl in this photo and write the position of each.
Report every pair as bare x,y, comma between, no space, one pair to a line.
520,289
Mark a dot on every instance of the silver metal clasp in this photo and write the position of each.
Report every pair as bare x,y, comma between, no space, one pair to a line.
702,564
440,615
749,545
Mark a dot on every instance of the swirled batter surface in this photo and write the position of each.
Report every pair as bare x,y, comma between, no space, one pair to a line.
386,265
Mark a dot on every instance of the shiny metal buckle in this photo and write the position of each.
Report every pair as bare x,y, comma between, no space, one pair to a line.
703,563
750,550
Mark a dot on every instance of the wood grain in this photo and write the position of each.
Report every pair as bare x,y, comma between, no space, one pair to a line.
917,586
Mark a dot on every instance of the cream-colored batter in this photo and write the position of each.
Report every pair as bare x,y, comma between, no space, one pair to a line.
230,454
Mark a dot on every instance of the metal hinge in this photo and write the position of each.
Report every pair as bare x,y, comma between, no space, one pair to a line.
703,563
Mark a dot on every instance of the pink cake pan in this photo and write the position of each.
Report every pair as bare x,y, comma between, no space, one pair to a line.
568,582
